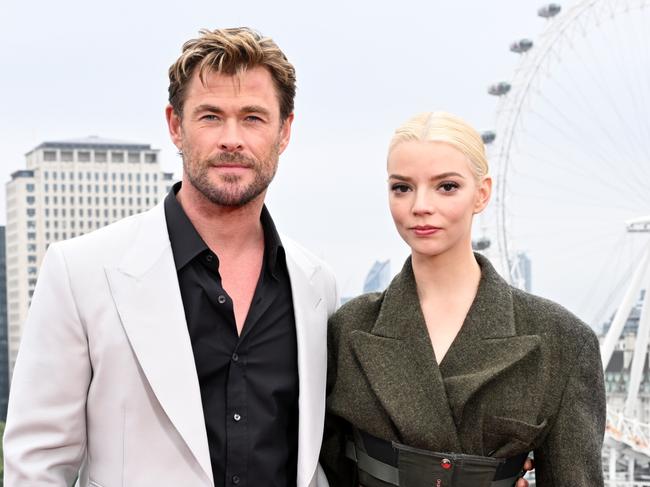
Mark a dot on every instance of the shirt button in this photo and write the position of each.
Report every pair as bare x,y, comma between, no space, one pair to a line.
236,417
221,299
235,479
208,258
235,357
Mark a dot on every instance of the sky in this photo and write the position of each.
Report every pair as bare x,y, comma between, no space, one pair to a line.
77,68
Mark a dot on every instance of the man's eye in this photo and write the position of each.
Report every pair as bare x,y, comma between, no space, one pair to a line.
209,117
253,118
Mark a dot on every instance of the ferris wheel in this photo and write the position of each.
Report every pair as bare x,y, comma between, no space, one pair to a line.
571,156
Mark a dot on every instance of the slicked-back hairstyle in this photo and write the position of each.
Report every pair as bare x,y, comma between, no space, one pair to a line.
447,128
231,52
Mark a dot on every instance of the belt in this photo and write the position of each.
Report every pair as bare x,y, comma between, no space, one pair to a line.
382,463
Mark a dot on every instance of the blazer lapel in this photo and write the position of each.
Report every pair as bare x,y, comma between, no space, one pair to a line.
487,345
398,359
147,295
311,334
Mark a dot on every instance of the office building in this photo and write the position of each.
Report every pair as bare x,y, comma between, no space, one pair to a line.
69,188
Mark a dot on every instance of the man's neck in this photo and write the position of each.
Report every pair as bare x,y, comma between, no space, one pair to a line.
224,229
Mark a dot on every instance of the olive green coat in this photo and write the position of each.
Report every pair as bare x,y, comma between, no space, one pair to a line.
523,374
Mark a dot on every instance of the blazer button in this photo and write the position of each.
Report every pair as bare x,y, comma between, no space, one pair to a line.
236,417
235,479
221,299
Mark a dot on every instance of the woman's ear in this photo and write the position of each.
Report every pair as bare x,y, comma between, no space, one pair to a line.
483,193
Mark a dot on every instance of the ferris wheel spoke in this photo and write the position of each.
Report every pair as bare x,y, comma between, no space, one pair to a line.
558,160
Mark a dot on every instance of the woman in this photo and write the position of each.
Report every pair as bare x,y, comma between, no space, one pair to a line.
451,376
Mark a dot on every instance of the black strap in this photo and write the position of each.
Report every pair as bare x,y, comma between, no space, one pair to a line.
505,476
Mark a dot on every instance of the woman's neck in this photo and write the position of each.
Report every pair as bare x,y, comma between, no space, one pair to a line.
447,273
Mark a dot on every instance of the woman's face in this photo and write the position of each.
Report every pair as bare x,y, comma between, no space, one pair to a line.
433,195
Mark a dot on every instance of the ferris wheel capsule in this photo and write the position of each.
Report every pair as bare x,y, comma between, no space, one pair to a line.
499,89
488,136
550,10
521,46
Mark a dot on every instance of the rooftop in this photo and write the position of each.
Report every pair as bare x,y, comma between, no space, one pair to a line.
93,142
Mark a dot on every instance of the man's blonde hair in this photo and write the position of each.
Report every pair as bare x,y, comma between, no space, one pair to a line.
447,128
231,52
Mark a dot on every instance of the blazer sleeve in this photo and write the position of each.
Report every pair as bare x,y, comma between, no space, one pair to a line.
571,454
45,435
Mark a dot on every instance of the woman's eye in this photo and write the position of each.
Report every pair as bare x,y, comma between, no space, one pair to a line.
448,187
400,188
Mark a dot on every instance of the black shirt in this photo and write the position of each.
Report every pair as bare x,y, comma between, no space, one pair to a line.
249,383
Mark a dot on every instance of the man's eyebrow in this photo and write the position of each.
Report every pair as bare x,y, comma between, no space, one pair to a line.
207,108
255,109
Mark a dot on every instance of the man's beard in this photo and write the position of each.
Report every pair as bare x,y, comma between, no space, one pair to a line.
227,192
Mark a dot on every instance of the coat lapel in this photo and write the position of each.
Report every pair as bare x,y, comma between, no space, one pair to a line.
310,312
487,345
399,362
147,295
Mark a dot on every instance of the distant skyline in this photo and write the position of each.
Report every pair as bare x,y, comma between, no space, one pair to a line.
74,69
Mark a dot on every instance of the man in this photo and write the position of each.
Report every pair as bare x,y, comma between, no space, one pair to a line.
184,346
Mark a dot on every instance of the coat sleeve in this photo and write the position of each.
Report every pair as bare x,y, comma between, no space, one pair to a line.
571,454
340,471
45,435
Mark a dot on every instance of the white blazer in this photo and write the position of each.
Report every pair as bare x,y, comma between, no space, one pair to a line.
105,385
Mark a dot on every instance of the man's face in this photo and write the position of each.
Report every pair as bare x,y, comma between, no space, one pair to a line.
230,136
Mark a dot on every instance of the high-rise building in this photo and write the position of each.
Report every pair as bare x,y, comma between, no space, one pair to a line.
4,350
378,277
69,188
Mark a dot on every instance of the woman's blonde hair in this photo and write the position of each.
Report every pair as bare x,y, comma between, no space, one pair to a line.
447,128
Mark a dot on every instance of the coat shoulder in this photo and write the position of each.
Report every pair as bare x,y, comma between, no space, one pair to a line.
359,313
541,316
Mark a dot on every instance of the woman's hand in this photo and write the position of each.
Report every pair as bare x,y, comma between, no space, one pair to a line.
528,466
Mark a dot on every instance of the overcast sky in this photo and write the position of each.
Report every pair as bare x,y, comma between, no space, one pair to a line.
76,68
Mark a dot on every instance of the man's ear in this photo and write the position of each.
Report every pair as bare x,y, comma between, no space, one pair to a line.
174,126
483,194
285,133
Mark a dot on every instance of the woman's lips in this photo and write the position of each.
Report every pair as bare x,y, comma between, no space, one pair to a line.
424,230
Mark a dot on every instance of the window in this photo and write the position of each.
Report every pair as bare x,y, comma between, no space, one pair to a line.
49,155
31,200
46,187
31,224
32,270
31,235
96,176
122,176
46,175
117,156
31,247
155,177
146,177
55,200
66,155
31,259
55,187
62,175
54,174
71,187
83,156
29,187
134,157
47,200
71,175
31,282
101,156
31,212
150,157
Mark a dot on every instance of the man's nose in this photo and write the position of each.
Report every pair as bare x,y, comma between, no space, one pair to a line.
231,137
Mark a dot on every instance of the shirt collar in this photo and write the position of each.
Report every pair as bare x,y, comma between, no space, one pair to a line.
187,243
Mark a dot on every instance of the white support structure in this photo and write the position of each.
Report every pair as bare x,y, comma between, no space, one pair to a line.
640,352
623,312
